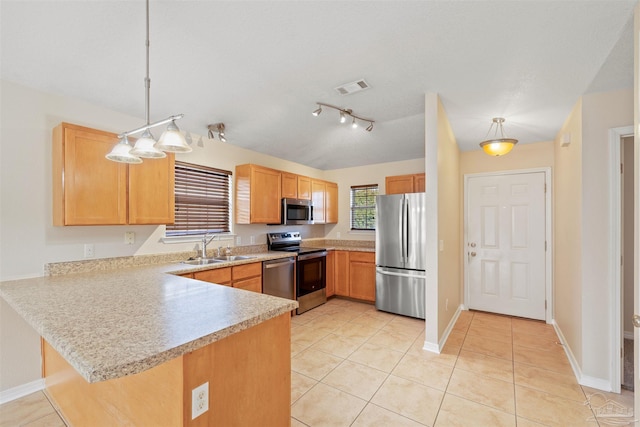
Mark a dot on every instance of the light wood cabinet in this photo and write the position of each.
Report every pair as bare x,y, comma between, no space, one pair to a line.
245,276
318,188
330,274
419,183
258,194
324,196
362,276
91,190
304,187
289,185
151,191
413,183
87,188
331,203
220,276
355,275
341,273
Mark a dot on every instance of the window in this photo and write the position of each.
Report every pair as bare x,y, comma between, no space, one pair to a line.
202,200
363,207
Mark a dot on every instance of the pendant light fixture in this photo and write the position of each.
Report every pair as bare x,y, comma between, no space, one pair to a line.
499,145
146,146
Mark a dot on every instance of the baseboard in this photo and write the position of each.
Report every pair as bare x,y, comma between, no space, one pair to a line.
628,335
21,391
436,348
585,380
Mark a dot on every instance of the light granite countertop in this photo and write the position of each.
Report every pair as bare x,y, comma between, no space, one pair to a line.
112,323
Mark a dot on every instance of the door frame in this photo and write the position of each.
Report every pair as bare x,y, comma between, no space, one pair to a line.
548,236
615,273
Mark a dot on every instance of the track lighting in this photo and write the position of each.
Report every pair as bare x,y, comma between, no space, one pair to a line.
219,128
146,146
344,113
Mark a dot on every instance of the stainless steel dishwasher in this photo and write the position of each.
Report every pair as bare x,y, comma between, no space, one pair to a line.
278,278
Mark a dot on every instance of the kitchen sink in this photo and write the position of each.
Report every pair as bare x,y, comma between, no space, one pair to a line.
232,258
201,261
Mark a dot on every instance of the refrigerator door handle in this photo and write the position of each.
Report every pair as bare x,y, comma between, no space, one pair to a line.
406,230
401,230
393,273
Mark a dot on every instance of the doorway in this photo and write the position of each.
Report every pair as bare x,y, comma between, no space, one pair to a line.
622,207
507,225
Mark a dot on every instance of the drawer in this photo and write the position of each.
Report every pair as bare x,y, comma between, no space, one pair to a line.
247,270
362,256
254,284
189,275
221,276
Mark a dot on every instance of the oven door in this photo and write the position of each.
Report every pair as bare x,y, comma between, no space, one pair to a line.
311,273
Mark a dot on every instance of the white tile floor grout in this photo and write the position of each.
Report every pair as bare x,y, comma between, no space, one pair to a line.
355,366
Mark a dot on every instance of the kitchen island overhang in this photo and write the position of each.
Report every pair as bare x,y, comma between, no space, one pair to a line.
118,325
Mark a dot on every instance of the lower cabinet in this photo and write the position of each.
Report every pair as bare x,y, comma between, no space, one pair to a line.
245,276
355,275
330,275
362,276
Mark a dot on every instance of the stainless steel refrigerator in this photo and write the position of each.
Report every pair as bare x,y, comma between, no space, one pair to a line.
400,254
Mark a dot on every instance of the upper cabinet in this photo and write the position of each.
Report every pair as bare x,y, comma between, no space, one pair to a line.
88,189
331,203
259,191
258,194
304,187
324,196
318,188
289,185
413,183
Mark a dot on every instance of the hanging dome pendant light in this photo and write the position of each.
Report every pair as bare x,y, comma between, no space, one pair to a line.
498,145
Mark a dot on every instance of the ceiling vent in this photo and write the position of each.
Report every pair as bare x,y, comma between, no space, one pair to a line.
353,87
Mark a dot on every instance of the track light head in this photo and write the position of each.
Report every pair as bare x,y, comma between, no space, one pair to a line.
370,127
354,124
219,129
317,112
343,117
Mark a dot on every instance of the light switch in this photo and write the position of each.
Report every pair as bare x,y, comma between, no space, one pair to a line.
441,245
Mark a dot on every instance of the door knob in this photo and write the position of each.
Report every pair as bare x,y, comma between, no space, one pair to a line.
474,254
636,321
473,245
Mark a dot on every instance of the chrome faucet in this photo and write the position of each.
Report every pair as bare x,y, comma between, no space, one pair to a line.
205,242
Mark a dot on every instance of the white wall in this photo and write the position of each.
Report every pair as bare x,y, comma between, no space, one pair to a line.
600,112
363,175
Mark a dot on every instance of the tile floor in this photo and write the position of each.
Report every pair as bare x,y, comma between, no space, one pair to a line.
355,366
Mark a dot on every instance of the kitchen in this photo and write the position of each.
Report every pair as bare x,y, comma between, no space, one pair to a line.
32,242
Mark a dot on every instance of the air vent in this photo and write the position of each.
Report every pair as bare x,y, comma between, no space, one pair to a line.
353,87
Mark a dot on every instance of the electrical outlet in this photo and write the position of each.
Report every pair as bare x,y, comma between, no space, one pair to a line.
199,400
238,240
89,250
338,235
129,238
446,305
253,240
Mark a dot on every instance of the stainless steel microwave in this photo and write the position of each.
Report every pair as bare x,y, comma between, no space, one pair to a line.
297,212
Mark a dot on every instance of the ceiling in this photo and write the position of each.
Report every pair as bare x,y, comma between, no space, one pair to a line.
261,66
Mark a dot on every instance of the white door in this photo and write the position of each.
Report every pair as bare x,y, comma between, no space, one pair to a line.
505,251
